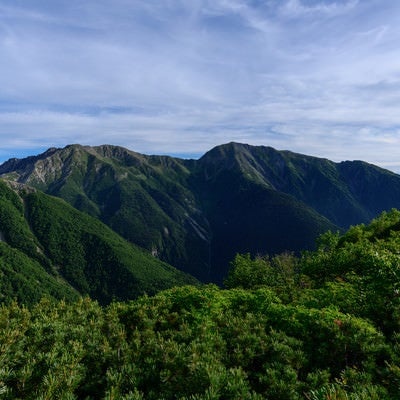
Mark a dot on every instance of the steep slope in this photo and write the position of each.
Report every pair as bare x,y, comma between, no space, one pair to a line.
24,279
25,272
247,214
346,193
196,214
145,199
49,244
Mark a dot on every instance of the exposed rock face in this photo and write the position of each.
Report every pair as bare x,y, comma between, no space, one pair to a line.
196,214
19,187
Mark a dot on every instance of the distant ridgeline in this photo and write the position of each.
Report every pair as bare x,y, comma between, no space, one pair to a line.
197,214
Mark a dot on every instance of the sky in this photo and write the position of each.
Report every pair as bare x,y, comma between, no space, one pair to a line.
179,77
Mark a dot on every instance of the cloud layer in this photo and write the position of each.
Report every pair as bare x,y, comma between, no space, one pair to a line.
317,77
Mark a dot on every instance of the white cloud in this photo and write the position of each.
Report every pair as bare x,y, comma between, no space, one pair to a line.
297,8
312,76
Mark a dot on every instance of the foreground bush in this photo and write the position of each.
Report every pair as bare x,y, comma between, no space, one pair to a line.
191,343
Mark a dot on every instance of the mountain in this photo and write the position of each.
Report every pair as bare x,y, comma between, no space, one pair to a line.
346,193
145,199
196,214
48,248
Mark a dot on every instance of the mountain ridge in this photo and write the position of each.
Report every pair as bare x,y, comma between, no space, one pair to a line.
196,214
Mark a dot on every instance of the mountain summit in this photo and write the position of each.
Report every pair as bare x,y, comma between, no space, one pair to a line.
196,214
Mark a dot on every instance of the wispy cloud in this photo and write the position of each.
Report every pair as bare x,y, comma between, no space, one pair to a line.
320,77
297,8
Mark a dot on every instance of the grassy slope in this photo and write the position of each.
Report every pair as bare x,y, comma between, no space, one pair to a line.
50,235
142,198
25,280
26,274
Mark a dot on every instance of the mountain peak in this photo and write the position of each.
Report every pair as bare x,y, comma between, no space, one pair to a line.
234,148
196,215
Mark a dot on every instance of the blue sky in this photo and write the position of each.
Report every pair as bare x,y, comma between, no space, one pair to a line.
317,77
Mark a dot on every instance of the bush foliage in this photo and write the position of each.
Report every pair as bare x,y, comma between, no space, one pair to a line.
323,325
191,343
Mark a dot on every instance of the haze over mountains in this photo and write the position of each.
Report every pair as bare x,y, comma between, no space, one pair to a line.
197,214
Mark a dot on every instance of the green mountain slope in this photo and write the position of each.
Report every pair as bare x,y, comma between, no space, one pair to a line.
196,214
25,272
346,193
144,199
27,281
49,247
248,216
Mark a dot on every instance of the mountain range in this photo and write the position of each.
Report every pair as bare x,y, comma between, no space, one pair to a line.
194,215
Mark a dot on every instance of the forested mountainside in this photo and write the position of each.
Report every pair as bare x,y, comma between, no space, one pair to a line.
197,214
48,248
324,325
